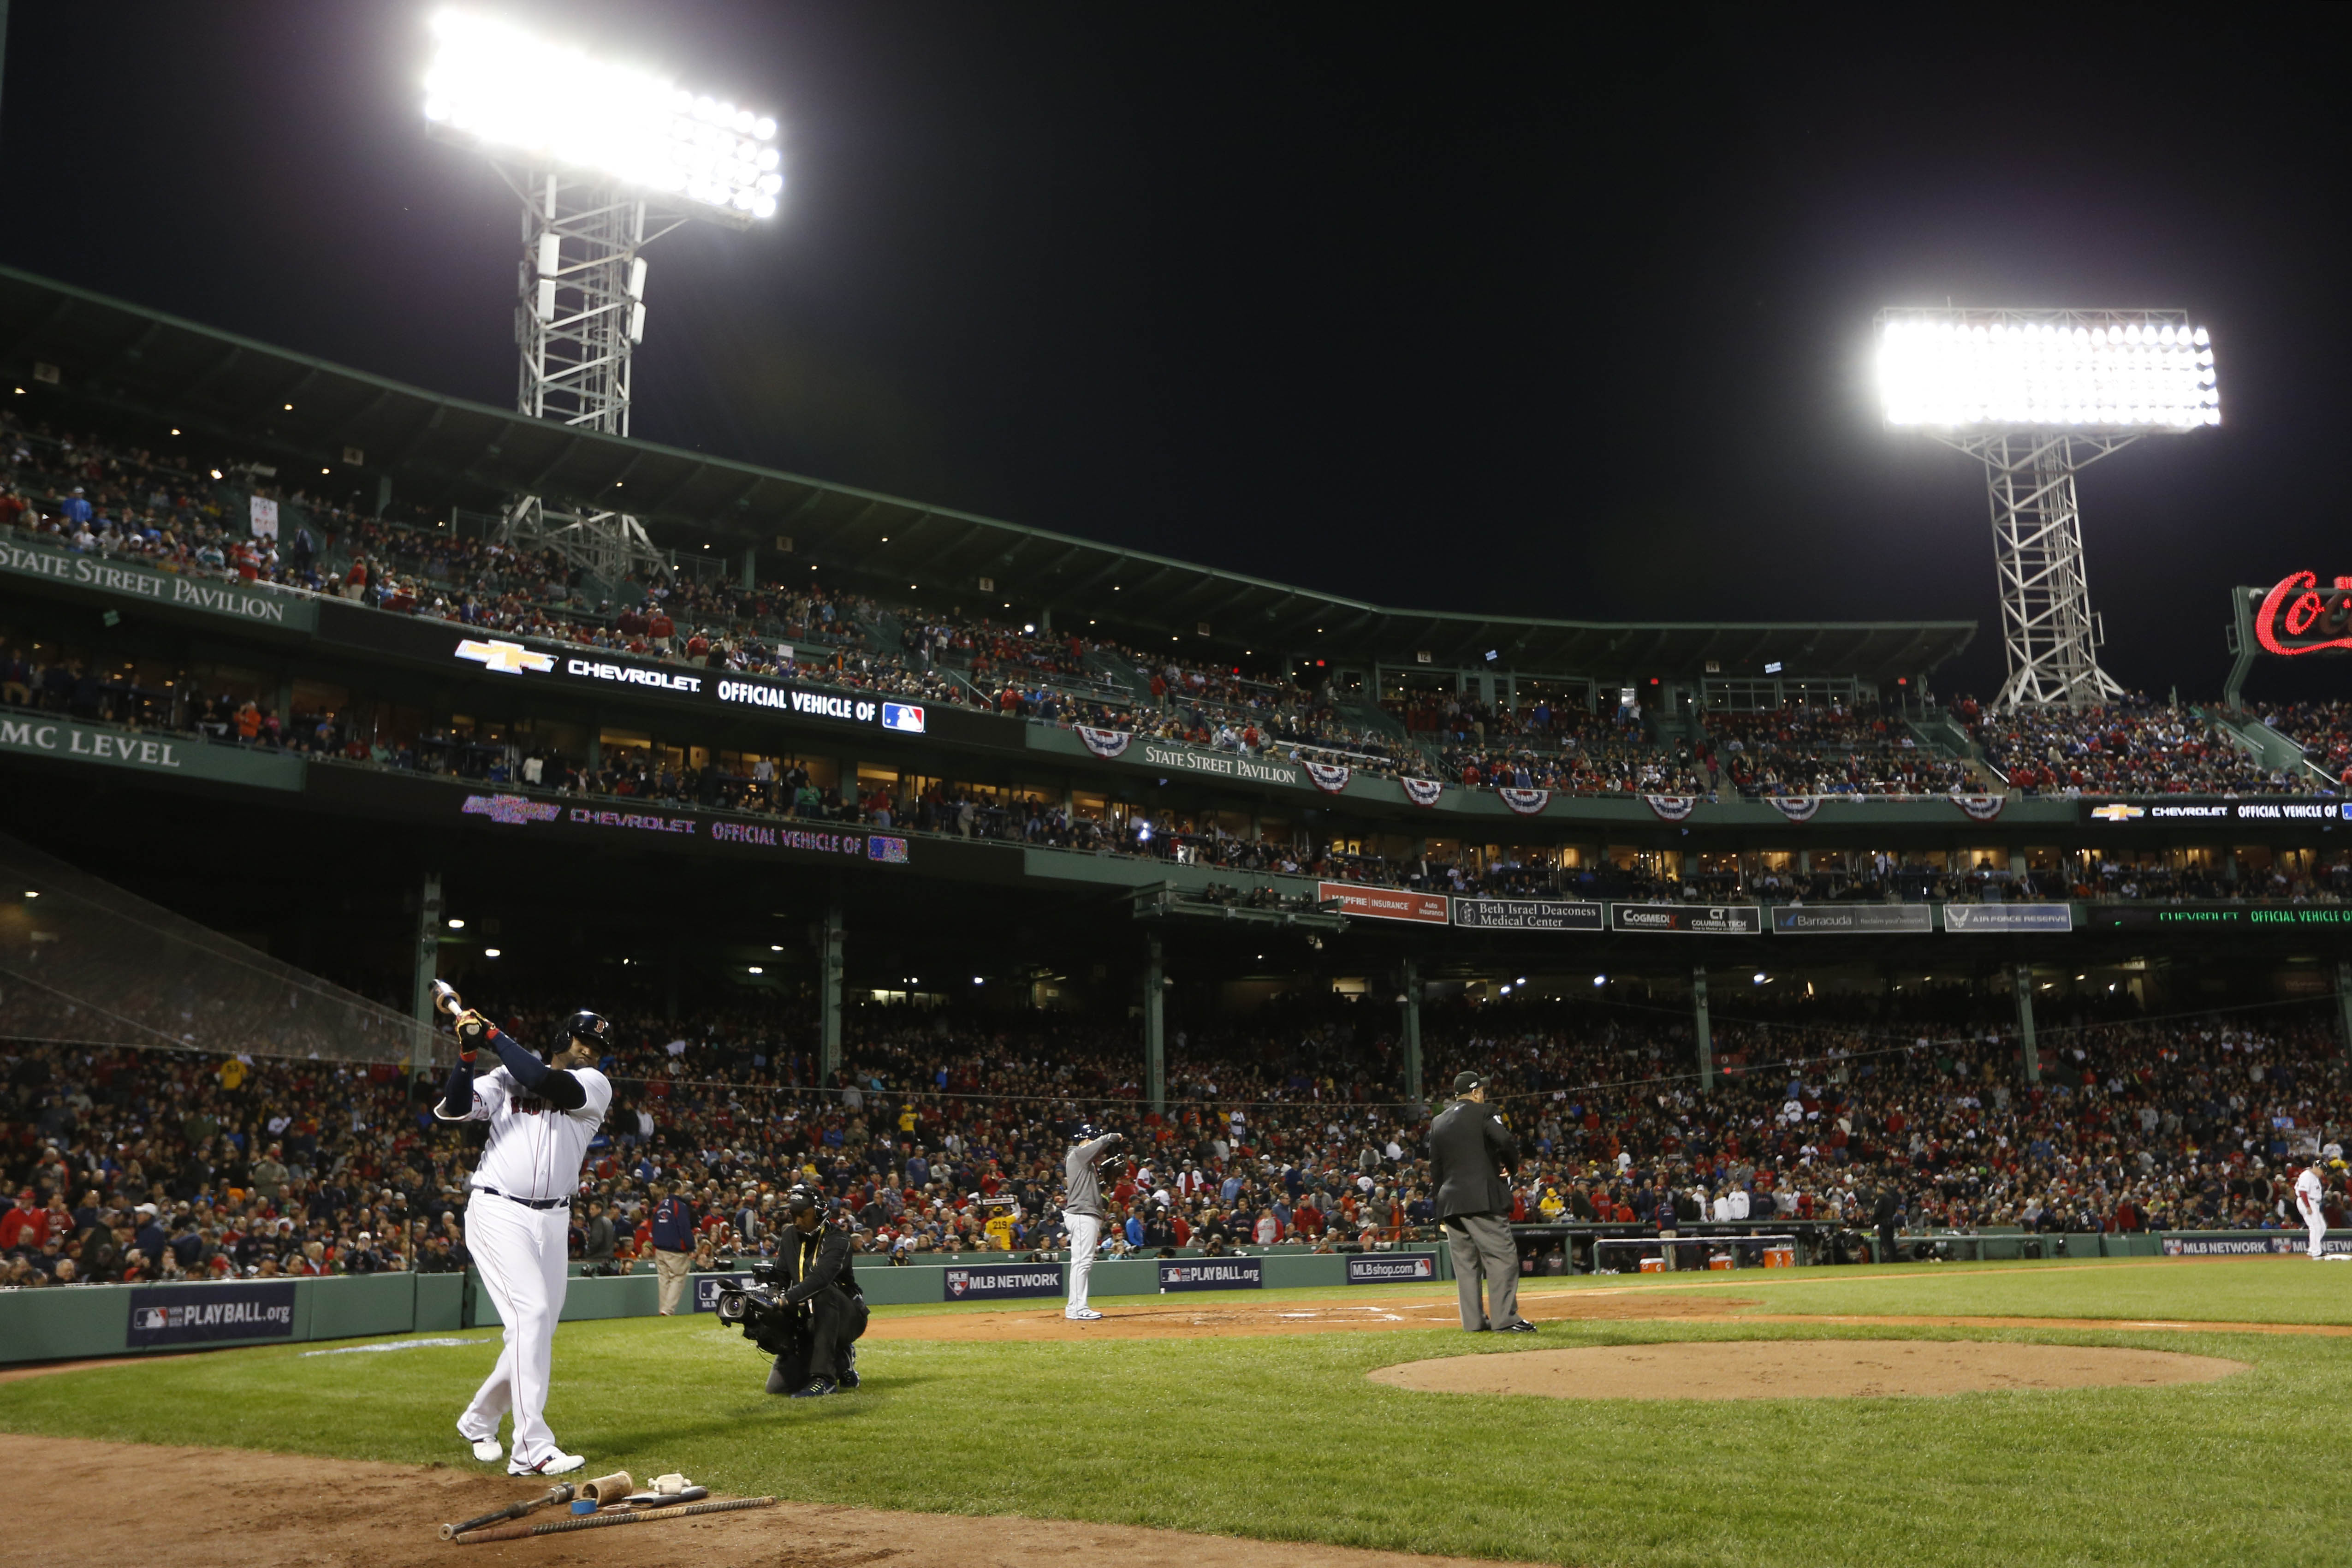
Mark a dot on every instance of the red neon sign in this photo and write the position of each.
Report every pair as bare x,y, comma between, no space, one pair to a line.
2299,607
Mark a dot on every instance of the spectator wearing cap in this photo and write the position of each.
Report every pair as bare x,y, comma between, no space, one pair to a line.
1471,1157
25,1227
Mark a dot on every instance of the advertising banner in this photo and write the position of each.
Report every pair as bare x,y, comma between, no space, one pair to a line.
1000,1281
1391,1268
1971,918
2217,917
1221,764
708,1285
1827,919
1528,914
174,756
1716,920
1385,903
1212,1274
791,837
201,1314
231,600
2115,813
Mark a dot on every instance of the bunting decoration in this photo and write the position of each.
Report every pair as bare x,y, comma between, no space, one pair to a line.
1671,807
1422,792
1982,807
1329,777
1526,802
1796,807
1104,742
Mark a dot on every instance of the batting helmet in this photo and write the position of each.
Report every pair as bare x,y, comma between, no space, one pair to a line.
1083,1132
592,1028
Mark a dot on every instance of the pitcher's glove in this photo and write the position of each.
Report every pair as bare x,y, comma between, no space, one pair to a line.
473,1033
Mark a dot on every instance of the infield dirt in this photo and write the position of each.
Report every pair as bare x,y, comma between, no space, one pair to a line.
280,1511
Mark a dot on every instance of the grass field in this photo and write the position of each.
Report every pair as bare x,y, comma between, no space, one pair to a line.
1281,1437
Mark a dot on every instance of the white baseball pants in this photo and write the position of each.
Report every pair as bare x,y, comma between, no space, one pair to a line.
2316,1219
1085,1229
521,1253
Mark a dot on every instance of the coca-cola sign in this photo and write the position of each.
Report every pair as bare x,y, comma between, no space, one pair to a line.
2299,616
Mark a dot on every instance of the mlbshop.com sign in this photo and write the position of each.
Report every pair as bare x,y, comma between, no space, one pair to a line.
1213,1274
201,1314
1391,1268
994,1281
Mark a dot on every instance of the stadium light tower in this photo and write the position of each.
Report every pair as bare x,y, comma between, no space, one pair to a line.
2038,395
606,159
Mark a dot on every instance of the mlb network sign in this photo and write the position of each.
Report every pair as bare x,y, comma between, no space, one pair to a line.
199,1314
1391,1268
992,1282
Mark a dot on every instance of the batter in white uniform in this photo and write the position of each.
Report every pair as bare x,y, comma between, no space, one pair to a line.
541,1116
2310,1188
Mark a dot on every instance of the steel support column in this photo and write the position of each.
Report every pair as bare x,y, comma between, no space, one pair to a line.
426,967
828,970
1155,1038
2023,975
2344,1000
1408,1030
1700,1029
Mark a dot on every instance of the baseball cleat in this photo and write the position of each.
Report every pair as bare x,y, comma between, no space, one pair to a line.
1082,1315
1518,1326
556,1464
486,1449
818,1387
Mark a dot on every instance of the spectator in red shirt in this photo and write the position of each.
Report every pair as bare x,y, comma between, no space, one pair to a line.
27,1226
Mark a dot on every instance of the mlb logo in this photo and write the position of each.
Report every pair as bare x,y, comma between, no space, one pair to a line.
958,1283
1425,1268
151,1317
906,716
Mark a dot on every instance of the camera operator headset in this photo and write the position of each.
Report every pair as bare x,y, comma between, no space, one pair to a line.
814,1253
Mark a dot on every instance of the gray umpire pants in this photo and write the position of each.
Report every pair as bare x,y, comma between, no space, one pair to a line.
1482,1248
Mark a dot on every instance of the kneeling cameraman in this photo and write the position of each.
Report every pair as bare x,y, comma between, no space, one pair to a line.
815,1260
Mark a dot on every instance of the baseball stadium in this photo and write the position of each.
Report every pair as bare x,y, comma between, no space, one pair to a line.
553,980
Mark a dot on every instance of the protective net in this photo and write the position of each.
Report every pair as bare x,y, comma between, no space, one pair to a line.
83,962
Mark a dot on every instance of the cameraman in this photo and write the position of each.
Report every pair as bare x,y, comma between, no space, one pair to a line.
815,1259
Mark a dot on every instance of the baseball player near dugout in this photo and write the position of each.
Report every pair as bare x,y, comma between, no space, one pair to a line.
541,1115
1083,1213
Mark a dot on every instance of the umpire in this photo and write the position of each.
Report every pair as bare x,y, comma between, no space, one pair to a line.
1471,1157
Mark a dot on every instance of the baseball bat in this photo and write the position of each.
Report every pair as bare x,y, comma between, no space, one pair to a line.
556,1494
445,997
605,1521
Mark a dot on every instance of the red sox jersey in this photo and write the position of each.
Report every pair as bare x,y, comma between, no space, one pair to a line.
535,1149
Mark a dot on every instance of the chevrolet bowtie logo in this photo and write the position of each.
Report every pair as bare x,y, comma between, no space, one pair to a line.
2117,811
506,658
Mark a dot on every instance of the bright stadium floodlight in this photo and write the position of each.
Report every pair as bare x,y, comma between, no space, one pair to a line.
607,158
2036,396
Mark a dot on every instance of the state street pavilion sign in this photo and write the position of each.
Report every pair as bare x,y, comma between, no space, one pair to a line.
130,585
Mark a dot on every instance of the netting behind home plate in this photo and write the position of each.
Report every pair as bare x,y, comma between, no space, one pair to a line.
83,962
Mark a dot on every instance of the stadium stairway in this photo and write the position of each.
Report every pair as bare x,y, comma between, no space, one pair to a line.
2277,752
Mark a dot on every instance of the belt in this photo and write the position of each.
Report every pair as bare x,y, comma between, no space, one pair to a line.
528,1202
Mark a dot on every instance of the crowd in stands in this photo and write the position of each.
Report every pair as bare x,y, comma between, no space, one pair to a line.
1827,749
2324,730
2131,746
1287,1126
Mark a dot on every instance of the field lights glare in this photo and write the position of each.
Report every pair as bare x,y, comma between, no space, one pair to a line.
506,90
1958,369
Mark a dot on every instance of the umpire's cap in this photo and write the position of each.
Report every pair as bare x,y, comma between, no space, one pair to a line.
592,1028
1464,1082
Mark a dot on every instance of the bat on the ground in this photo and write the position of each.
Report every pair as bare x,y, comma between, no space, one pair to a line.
556,1494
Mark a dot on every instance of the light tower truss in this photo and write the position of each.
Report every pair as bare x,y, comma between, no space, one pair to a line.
2037,395
606,157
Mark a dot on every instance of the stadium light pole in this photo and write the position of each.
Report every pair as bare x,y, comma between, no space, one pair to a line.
2037,395
607,158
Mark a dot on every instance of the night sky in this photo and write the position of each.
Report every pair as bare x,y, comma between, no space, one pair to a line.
1466,309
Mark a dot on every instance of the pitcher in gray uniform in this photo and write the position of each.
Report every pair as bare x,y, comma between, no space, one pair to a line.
1471,1157
1083,1213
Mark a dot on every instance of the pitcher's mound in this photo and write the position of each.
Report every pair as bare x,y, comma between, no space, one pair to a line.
1802,1369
